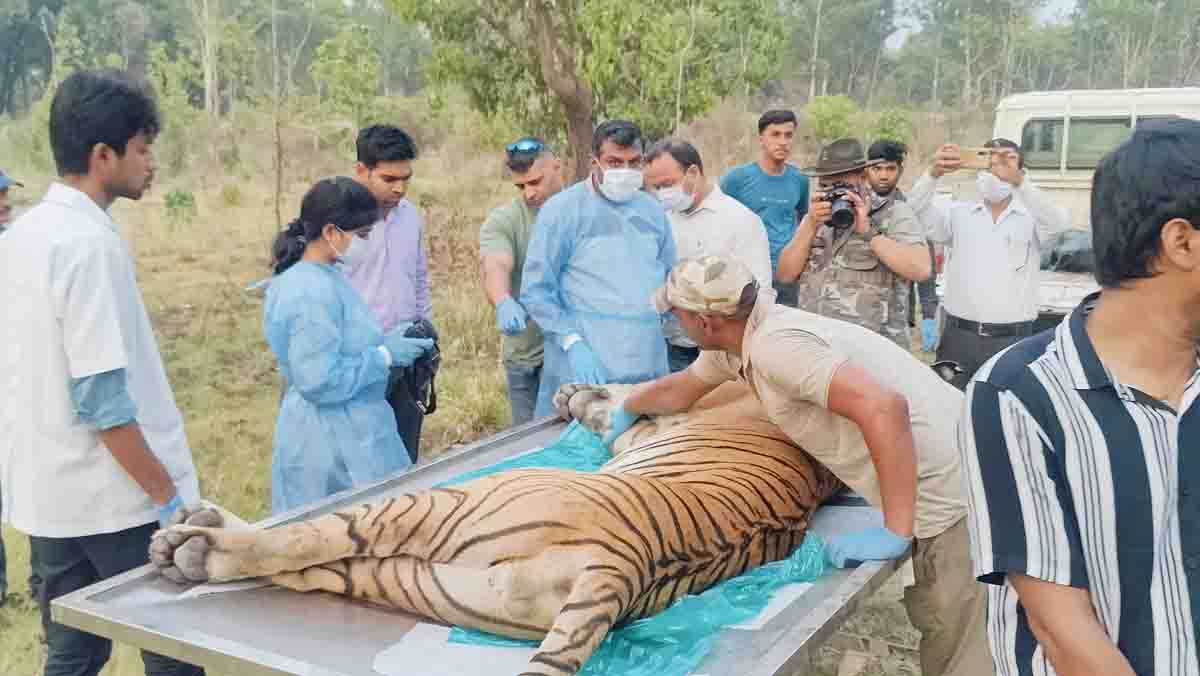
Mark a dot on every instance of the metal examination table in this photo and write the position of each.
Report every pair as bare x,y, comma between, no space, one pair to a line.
269,631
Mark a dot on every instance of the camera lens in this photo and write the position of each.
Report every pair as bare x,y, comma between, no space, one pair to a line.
843,213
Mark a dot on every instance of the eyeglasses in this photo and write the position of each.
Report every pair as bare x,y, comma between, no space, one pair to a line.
525,145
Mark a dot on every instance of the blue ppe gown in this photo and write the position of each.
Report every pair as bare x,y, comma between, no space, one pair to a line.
591,270
335,428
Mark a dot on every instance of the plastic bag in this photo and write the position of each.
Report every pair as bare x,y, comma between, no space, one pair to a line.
675,641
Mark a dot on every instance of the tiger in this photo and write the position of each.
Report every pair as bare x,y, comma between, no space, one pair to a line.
558,556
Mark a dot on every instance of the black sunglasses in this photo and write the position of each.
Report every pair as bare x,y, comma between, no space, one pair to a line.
525,145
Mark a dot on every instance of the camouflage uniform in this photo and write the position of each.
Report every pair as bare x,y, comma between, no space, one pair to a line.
845,280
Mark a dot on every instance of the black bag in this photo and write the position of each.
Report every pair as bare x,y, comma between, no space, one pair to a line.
412,392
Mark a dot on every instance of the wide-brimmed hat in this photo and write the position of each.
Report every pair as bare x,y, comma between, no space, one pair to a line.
839,157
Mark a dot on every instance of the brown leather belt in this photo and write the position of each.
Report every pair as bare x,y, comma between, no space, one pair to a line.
990,330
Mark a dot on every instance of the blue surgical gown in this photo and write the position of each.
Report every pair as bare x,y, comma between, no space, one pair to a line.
335,428
591,270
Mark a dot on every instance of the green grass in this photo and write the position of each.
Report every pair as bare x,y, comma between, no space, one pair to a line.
193,274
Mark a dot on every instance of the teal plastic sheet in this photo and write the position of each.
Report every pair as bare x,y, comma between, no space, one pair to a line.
673,642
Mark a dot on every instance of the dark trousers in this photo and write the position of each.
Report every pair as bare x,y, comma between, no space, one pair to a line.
69,564
679,358
409,416
970,350
523,385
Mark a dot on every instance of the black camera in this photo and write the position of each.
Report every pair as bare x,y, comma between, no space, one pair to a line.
838,196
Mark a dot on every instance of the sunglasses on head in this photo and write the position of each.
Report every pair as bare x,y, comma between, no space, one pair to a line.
525,145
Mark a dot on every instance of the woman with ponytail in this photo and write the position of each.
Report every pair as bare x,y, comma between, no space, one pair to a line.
335,428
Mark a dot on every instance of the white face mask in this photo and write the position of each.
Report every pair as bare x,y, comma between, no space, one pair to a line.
992,189
620,185
353,253
675,198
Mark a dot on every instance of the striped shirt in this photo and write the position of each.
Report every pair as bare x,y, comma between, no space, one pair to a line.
1077,479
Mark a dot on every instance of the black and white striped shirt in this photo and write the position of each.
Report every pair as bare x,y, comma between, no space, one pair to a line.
1079,480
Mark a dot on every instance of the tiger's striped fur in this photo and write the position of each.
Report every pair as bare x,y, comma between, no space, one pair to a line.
551,554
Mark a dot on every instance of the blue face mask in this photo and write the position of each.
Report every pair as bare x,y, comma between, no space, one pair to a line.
353,253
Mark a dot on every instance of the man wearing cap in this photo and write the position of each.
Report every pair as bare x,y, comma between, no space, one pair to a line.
992,275
503,241
6,182
876,416
856,265
704,220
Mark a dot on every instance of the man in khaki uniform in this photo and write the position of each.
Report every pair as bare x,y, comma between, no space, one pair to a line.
882,421
860,269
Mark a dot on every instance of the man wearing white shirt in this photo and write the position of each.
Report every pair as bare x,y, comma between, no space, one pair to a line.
704,221
992,275
93,457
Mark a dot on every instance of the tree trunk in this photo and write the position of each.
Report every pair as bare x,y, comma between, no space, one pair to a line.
562,77
816,50
208,56
276,95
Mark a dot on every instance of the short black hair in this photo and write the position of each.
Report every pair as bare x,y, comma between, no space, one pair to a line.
1005,143
887,150
680,150
520,161
621,132
775,117
384,143
98,106
1150,179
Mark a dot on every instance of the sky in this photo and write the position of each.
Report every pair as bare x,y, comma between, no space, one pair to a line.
1055,10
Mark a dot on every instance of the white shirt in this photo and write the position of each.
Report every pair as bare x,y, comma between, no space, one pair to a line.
720,226
72,310
994,268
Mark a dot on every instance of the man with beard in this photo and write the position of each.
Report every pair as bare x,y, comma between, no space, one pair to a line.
884,178
503,240
857,265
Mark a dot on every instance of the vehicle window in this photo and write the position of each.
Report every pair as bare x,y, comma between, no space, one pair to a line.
1093,138
1041,142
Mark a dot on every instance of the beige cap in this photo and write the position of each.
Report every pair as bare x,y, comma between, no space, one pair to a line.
708,285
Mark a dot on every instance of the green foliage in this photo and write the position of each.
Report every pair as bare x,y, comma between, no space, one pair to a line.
831,117
181,207
657,62
173,77
348,73
893,124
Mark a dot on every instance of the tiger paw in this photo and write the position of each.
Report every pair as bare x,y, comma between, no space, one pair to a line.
180,552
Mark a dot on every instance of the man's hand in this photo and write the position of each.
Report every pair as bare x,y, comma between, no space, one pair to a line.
862,219
619,421
584,364
1006,165
171,513
872,544
1064,623
947,159
511,317
819,210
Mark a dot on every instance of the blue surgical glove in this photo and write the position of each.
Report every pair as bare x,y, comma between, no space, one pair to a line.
165,512
511,317
872,544
405,351
929,334
584,365
619,421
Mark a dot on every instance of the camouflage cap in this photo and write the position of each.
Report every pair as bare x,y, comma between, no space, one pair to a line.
708,284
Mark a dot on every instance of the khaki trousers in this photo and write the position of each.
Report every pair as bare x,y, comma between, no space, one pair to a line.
949,606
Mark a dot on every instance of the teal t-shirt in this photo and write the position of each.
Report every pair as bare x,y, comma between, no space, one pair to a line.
780,201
